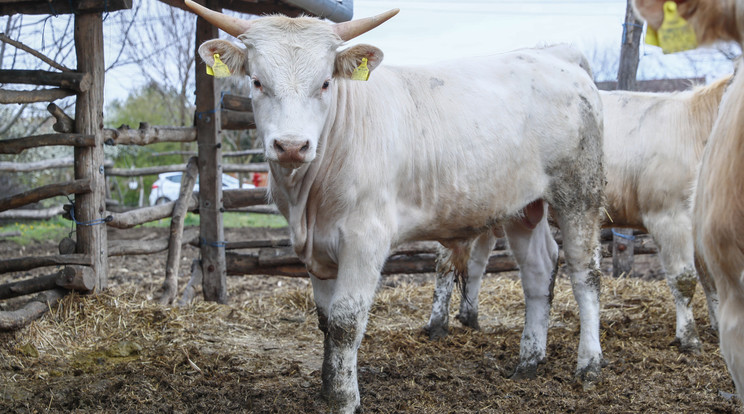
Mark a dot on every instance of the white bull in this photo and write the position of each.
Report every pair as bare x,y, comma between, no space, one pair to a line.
718,215
653,143
420,153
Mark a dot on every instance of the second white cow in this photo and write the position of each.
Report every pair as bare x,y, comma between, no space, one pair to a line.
653,144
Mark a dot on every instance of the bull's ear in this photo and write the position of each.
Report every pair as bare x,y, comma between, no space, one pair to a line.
231,55
349,59
652,11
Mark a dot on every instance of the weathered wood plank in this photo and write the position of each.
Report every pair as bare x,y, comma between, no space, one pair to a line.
146,135
8,96
170,285
20,264
78,82
214,282
81,186
17,145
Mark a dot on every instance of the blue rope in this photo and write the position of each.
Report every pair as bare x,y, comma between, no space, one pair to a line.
625,29
220,243
87,223
213,110
623,236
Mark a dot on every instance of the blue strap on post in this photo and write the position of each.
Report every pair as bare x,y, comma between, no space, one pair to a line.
623,236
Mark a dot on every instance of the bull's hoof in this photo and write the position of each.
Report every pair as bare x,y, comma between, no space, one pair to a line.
688,346
470,320
525,370
590,375
436,332
340,403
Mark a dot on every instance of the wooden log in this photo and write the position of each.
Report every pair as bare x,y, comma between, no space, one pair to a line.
237,103
80,186
21,264
78,82
64,122
27,214
224,154
17,145
214,282
196,279
143,215
622,252
56,7
246,168
234,120
41,95
170,285
11,320
7,166
78,278
260,209
244,197
146,135
281,262
89,161
137,247
137,172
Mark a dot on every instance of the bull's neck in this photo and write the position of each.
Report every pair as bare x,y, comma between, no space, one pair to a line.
293,191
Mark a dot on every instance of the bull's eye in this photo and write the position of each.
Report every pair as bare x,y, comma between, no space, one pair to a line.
326,84
257,83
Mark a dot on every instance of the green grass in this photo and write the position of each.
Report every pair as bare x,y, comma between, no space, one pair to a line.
37,231
57,228
230,220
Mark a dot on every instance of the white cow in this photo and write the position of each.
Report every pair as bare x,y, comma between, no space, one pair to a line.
718,215
653,143
419,153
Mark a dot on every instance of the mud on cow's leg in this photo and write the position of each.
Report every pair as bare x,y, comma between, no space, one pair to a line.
672,232
581,248
438,325
479,255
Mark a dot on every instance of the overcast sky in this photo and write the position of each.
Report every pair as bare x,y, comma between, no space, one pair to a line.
427,31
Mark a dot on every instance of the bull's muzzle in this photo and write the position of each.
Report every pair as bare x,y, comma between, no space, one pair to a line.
291,151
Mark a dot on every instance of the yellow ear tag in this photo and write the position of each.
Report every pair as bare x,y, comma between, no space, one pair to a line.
652,38
675,35
219,69
361,72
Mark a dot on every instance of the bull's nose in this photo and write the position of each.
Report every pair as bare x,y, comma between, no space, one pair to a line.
291,151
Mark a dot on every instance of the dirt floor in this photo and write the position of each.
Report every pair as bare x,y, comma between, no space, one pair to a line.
119,352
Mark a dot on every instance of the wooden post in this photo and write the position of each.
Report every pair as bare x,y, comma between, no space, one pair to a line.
170,285
622,252
622,245
207,119
91,207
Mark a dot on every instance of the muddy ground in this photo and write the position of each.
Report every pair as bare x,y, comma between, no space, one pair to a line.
117,351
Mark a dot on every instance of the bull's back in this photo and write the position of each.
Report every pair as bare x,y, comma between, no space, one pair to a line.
484,133
650,154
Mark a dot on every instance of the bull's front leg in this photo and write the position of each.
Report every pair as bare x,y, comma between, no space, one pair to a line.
343,308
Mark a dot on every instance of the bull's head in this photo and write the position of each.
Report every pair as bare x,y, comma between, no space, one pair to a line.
292,65
711,19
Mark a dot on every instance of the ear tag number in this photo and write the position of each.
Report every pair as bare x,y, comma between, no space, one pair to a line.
361,72
675,34
219,69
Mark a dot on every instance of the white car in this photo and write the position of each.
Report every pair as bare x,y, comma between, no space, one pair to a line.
166,187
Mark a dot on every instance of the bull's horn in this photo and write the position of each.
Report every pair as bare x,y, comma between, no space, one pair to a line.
231,25
349,30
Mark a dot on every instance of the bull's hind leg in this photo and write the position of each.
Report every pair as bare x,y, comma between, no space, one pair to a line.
673,233
438,325
536,252
581,249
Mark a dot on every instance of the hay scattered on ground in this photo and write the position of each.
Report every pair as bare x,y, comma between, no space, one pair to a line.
120,352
